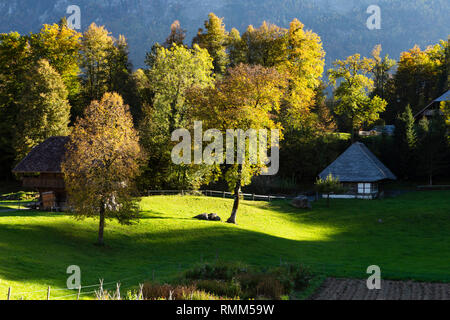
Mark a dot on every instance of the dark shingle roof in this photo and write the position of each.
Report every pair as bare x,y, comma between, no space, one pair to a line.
358,164
45,157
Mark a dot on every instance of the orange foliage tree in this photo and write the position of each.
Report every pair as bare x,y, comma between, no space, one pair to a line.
102,159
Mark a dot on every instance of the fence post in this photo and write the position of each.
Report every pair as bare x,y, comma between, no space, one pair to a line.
101,289
9,293
118,291
79,292
223,194
48,293
269,198
253,196
141,287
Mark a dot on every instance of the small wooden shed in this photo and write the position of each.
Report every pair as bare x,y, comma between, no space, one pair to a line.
360,172
41,170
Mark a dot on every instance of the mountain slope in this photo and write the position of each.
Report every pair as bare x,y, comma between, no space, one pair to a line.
340,23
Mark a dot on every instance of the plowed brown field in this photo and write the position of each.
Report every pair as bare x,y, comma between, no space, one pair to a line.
356,289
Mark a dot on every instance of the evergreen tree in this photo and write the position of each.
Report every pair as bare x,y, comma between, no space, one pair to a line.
405,140
433,146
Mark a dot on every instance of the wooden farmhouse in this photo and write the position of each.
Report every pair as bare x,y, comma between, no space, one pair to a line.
360,172
40,170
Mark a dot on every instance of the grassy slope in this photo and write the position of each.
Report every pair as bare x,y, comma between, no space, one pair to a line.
413,240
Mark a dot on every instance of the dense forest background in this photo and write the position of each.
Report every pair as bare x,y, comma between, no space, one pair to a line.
313,69
341,24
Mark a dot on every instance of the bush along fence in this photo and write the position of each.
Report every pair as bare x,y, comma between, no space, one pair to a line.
218,194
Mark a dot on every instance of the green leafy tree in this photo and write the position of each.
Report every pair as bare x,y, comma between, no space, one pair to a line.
121,78
96,47
236,48
102,160
329,185
265,45
246,98
173,72
15,63
352,88
214,39
380,71
106,67
60,46
44,109
445,109
421,77
303,64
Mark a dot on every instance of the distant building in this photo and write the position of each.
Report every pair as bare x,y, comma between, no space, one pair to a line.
378,130
429,110
360,172
41,170
387,129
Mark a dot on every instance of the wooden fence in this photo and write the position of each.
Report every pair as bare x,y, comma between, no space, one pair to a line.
218,194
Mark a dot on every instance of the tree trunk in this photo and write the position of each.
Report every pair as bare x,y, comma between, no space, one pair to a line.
101,225
237,190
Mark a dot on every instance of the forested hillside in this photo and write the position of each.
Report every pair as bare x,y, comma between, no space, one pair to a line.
340,23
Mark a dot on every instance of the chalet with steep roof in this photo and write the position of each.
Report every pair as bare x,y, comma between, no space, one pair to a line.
360,172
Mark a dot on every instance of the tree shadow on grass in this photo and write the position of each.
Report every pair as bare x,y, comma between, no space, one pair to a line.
35,253
40,252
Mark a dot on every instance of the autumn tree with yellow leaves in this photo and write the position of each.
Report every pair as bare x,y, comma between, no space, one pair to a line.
246,98
101,162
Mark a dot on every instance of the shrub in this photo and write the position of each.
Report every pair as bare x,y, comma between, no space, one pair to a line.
229,289
200,295
218,270
270,287
260,285
152,291
232,279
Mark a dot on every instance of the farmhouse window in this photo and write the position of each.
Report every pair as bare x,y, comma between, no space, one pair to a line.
364,188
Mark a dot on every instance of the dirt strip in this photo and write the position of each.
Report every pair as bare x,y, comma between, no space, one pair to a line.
356,289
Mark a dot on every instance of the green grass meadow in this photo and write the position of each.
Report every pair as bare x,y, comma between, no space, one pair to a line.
407,236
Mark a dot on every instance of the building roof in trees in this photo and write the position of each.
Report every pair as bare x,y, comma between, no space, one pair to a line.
45,157
358,164
444,97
